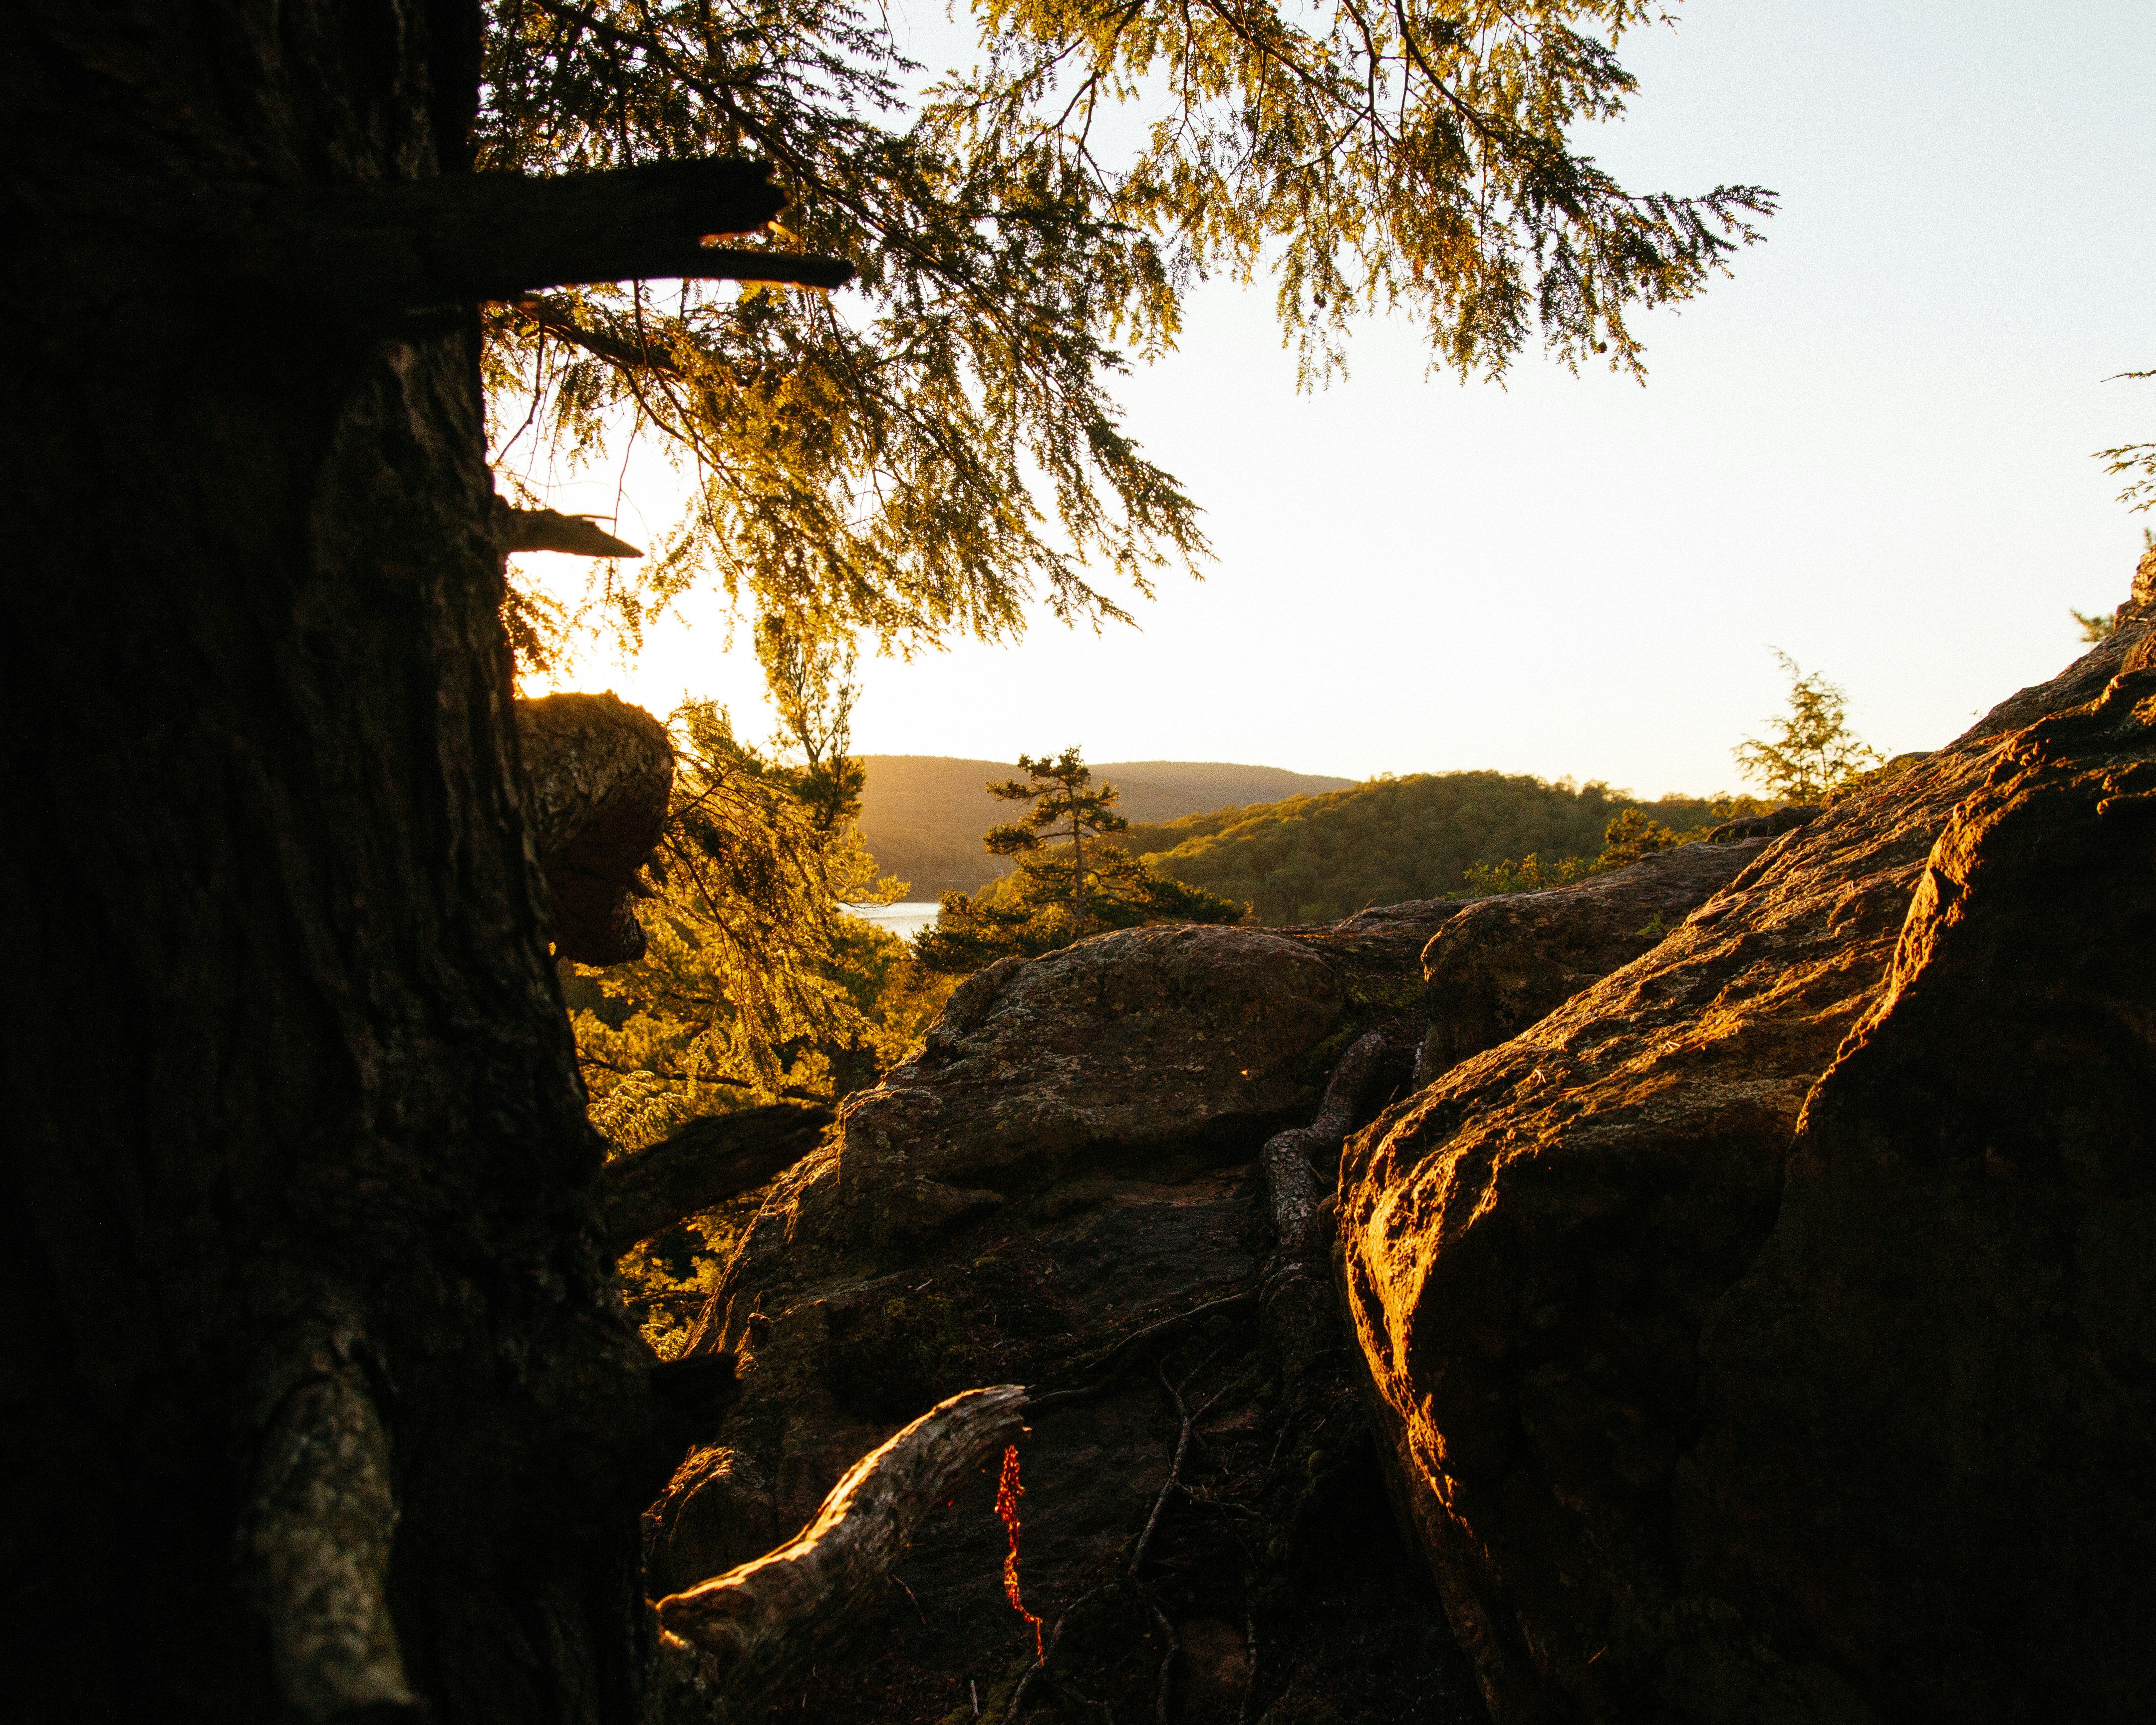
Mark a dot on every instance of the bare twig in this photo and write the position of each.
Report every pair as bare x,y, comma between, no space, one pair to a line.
1047,1653
1167,1667
1249,1682
1112,1364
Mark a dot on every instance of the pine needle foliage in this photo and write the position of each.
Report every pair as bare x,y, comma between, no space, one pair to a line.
1060,800
754,984
2138,459
1811,751
921,454
810,682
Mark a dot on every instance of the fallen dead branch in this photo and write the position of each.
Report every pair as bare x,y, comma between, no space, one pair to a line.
757,1624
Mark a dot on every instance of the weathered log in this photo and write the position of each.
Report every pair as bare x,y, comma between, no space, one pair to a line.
316,1545
600,773
395,245
753,1626
709,1160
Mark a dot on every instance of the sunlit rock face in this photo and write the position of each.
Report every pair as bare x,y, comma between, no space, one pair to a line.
1148,1039
1503,962
1769,1333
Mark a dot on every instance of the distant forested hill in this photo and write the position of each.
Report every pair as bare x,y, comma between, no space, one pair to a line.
1314,859
922,815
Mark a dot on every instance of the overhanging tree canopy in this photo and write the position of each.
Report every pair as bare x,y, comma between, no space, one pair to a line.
918,456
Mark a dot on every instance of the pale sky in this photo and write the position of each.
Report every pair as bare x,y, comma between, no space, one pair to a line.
1871,448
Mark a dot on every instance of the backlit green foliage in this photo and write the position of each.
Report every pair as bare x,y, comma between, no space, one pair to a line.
1061,800
1811,753
917,454
754,984
1318,858
2138,459
1625,841
2096,626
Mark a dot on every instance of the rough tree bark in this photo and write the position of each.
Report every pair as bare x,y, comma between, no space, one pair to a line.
315,1397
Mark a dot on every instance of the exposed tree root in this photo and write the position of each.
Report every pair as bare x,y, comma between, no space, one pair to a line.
1118,1359
1165,1692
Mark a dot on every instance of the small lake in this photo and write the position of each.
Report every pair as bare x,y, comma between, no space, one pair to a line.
904,920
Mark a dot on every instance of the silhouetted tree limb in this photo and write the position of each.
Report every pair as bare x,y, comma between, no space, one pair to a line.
549,530
392,245
709,1160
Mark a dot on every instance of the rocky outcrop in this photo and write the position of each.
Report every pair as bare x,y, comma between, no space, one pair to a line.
600,773
1502,964
1159,1044
1760,1334
1765,1334
1773,823
1060,1189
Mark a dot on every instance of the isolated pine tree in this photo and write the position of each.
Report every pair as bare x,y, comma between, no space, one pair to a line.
1061,805
1812,752
1063,889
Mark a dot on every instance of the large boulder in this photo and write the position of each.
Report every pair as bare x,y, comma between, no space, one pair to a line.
1134,1043
1765,1334
1503,962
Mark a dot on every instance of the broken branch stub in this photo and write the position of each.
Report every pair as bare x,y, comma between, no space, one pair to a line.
756,1625
398,245
600,772
708,1161
550,530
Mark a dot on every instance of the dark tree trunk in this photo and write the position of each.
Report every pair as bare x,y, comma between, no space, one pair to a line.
298,1226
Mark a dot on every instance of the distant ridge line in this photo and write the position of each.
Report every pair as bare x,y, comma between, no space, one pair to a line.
922,816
